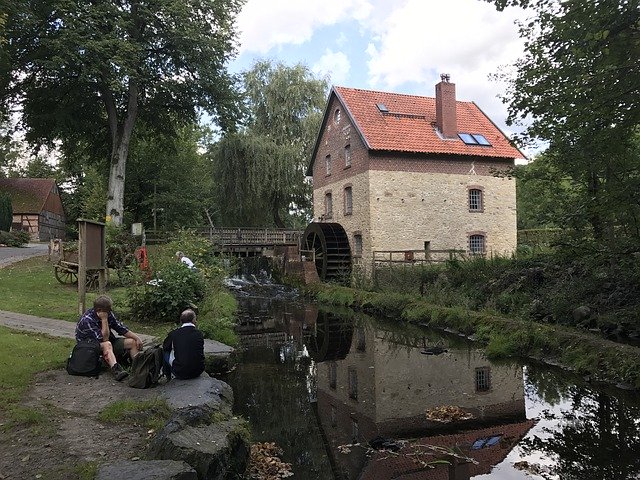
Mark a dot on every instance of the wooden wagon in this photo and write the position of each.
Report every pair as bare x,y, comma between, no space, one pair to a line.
67,267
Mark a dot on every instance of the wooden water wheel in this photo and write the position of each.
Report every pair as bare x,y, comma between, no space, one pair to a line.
331,339
332,254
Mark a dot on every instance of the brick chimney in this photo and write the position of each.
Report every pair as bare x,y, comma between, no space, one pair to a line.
446,107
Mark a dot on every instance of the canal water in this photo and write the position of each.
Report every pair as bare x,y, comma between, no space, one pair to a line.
347,396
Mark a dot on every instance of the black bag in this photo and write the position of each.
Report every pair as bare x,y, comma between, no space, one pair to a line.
146,368
85,359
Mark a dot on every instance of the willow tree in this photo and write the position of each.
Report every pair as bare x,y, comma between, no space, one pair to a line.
261,169
90,70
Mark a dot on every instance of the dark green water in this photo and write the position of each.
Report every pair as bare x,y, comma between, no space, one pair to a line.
315,381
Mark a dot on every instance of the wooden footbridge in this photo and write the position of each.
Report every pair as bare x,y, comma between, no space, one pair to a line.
242,242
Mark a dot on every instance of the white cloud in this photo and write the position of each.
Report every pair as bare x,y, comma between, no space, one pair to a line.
467,39
267,24
334,64
407,43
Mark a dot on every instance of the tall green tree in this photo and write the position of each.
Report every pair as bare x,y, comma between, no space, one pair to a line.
6,212
88,71
578,82
545,197
261,169
171,181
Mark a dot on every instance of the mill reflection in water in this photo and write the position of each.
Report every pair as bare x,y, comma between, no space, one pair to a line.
315,382
374,384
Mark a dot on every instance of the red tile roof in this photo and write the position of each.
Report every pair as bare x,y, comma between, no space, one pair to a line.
28,195
409,125
403,465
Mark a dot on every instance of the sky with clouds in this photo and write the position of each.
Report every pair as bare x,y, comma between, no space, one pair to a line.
392,45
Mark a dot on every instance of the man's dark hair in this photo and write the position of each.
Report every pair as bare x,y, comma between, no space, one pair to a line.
102,303
188,316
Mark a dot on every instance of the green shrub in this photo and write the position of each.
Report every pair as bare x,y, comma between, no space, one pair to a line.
174,288
14,239
199,249
389,304
216,318
6,212
336,296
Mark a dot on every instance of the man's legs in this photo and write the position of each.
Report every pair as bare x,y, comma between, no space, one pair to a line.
124,349
166,364
131,346
107,353
110,358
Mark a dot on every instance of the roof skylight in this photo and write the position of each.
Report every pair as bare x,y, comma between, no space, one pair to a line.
382,107
474,139
481,139
467,138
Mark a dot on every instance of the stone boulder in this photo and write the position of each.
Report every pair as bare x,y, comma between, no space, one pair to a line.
216,451
147,470
201,391
201,430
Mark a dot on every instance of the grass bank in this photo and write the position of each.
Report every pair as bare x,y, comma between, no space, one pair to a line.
581,352
30,287
36,353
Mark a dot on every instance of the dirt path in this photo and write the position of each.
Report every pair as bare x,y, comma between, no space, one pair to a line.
67,436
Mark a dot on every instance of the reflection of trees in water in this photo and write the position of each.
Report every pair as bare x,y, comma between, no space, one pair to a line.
598,438
545,383
274,398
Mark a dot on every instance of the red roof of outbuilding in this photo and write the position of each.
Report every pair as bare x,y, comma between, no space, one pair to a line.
409,125
28,195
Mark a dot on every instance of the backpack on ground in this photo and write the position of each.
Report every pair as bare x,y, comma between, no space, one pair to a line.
85,359
146,368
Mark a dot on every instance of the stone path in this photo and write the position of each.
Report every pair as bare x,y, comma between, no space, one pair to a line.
62,328
9,255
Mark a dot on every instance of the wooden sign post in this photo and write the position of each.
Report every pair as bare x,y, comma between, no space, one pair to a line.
92,249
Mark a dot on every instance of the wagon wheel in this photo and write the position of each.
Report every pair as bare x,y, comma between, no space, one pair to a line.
93,279
330,243
65,276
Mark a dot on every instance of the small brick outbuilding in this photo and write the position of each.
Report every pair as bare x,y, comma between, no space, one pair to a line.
406,174
37,207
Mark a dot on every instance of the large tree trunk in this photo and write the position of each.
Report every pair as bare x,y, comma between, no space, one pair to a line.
115,197
120,139
276,212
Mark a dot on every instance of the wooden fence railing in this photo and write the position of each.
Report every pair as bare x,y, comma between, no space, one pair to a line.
240,236
415,256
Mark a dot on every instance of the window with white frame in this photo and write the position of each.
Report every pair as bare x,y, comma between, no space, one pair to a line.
483,379
327,162
328,205
475,200
477,244
347,156
348,201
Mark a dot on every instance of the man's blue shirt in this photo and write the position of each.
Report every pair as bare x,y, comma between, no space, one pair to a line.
90,326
